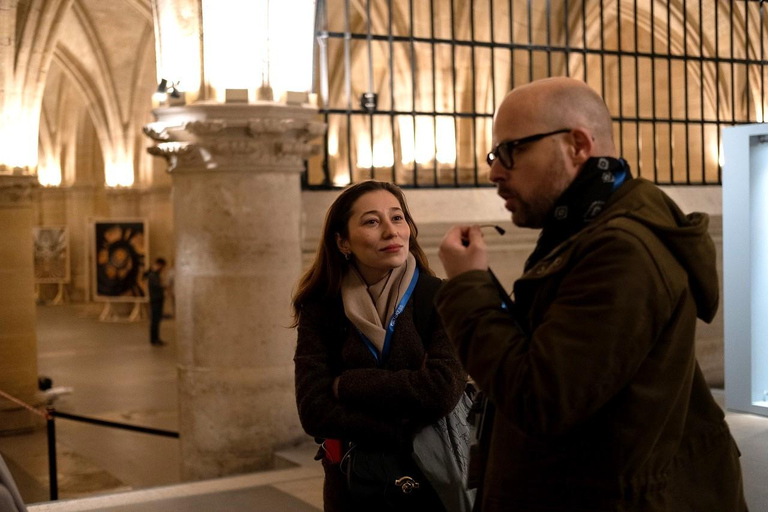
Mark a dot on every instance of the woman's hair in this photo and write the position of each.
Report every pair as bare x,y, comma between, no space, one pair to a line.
323,279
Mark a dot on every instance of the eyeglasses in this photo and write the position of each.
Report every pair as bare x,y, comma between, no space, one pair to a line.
503,151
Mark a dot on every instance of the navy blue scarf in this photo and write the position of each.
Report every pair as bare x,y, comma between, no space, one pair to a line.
581,202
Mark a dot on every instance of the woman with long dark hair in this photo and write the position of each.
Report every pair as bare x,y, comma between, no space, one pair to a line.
373,364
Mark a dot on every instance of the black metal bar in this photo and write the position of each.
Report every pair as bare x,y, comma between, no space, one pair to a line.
602,49
621,78
566,29
584,34
493,59
392,93
717,85
701,95
685,95
746,54
322,42
549,39
114,424
669,96
369,41
638,138
53,473
473,115
733,70
511,45
764,119
474,90
414,84
535,47
653,94
453,91
348,86
530,42
435,180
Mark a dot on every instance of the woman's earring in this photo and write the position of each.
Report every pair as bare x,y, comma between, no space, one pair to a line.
346,256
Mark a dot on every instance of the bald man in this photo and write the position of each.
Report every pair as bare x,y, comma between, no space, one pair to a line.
600,404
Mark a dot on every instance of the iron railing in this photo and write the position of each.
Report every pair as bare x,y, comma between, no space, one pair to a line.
408,88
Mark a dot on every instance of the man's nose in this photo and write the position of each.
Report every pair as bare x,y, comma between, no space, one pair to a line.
498,173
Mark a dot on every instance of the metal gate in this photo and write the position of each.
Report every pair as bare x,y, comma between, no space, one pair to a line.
408,87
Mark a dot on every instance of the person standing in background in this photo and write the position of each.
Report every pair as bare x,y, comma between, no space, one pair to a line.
156,299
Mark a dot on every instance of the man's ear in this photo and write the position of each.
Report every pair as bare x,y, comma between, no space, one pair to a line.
582,146
342,244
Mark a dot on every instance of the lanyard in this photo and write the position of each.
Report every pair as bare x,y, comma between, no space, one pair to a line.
380,358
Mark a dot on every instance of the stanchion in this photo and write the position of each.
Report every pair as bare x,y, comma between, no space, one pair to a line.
53,478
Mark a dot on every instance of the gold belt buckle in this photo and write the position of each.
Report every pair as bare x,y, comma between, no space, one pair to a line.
407,484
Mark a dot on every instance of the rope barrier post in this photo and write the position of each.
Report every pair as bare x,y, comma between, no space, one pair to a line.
52,471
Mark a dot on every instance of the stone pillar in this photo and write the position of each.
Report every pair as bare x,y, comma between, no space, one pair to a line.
237,205
81,207
18,341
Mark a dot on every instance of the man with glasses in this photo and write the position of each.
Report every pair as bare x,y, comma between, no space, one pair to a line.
600,404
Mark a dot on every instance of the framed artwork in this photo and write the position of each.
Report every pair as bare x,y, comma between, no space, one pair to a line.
51,253
119,254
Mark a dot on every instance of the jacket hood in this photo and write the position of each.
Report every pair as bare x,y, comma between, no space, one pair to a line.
686,237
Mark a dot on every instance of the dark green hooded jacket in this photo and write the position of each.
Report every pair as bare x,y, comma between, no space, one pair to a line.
602,406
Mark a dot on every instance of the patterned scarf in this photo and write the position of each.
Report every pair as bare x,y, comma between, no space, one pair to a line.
581,202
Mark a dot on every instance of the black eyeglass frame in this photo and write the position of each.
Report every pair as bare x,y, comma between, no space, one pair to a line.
503,150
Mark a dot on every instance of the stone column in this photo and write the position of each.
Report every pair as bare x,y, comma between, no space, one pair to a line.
81,207
237,205
18,341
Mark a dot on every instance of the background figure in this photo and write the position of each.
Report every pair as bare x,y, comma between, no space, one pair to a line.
373,363
154,279
599,401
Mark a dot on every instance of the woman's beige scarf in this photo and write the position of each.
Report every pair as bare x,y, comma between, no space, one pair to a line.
370,308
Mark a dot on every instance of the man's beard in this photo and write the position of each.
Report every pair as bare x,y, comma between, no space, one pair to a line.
532,213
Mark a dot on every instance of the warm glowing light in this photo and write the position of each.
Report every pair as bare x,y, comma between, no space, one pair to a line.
446,140
292,29
230,28
333,140
341,180
721,156
250,43
177,37
423,147
383,156
49,175
19,131
716,154
119,174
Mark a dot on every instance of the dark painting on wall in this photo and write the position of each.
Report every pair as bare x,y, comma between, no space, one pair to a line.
51,250
120,250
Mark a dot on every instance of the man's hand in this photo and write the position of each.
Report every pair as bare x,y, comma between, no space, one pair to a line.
463,249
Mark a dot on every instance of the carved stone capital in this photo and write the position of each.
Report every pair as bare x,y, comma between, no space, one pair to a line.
17,190
266,137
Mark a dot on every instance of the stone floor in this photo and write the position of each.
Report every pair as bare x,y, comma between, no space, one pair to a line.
115,374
